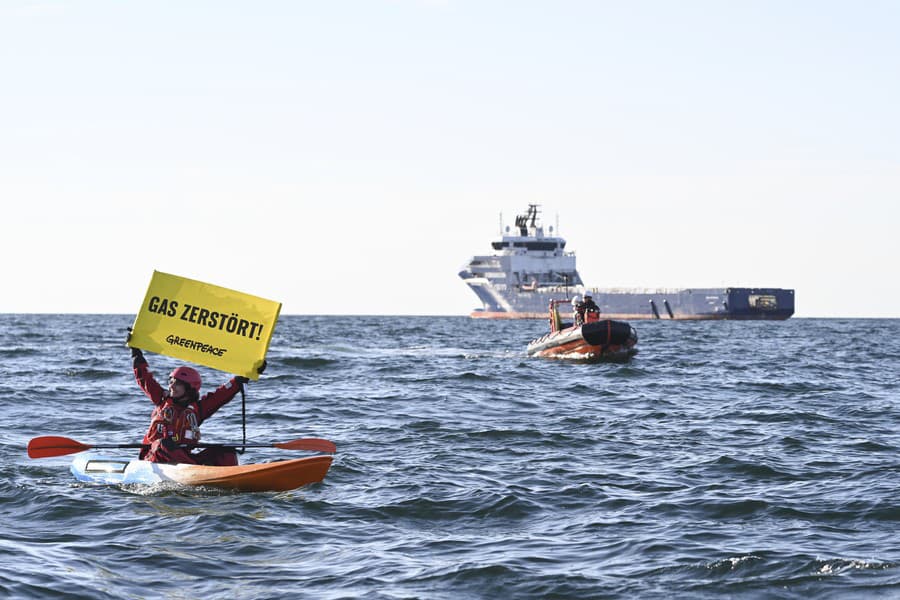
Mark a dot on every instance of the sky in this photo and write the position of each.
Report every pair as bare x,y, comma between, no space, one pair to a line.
349,157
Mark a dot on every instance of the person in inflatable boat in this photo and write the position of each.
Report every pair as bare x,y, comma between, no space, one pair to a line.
588,306
577,310
178,413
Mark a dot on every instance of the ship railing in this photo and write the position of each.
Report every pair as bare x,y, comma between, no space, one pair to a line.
548,288
636,290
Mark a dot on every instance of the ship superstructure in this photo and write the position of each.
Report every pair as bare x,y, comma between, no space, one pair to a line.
529,268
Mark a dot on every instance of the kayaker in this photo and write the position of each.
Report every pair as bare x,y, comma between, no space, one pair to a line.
178,413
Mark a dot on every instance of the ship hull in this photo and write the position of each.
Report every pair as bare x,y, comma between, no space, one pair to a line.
686,304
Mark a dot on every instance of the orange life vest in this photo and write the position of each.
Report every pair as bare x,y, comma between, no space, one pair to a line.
179,423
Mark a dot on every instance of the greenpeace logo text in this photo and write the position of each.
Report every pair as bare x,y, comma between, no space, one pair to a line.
174,340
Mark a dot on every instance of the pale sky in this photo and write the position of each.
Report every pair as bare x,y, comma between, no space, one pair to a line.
350,157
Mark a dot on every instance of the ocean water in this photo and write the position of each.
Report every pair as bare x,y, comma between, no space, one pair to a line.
725,460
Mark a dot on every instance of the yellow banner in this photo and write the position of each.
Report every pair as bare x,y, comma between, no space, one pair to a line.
205,324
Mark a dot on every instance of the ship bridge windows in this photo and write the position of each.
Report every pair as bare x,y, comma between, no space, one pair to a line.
541,246
536,246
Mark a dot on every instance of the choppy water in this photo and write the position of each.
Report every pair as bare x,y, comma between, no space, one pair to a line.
728,459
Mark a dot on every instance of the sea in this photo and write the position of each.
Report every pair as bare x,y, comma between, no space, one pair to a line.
726,459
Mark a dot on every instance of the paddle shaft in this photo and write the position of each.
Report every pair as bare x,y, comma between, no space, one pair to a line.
107,447
47,446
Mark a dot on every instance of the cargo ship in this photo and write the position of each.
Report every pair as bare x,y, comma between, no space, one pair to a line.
528,269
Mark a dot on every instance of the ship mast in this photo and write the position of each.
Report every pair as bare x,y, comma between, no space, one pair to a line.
522,221
533,210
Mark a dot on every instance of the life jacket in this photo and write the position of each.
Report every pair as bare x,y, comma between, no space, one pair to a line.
591,315
181,424
578,313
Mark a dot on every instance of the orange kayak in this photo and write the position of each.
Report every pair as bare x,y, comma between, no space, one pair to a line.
260,477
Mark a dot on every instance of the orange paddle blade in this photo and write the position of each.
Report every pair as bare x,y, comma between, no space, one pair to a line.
52,445
314,444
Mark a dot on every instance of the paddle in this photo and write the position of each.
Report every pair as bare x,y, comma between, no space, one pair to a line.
52,445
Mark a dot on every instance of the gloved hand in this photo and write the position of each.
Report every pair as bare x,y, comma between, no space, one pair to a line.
135,352
242,380
137,358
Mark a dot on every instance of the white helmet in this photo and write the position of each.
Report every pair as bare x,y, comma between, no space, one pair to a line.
587,294
576,299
